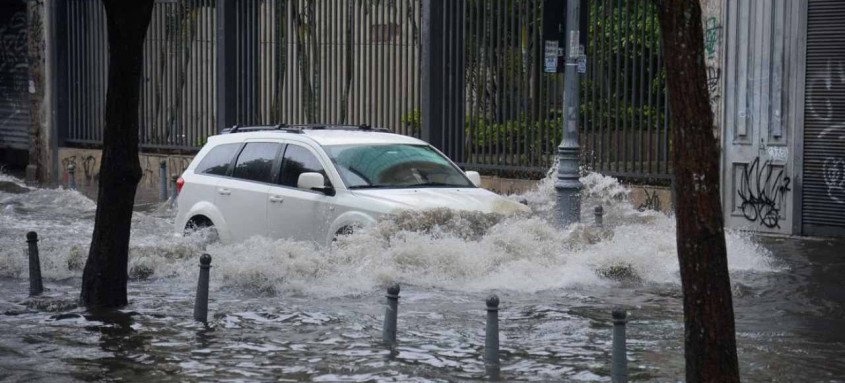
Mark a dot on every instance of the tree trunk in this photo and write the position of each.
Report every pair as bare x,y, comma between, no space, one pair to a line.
105,275
709,335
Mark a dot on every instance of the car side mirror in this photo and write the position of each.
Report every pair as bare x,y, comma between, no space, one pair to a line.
474,177
314,181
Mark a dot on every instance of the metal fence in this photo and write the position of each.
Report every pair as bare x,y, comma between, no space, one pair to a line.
513,108
478,63
328,61
177,107
625,128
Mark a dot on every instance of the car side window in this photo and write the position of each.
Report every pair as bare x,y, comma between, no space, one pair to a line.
298,160
255,163
217,161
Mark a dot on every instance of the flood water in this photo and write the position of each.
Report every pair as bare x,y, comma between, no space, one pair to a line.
281,310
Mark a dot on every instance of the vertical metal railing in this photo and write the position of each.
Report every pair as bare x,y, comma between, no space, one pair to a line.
176,107
512,107
331,61
359,62
625,127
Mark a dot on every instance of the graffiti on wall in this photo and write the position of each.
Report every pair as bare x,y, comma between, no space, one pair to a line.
762,193
712,39
652,201
84,165
822,109
712,36
833,171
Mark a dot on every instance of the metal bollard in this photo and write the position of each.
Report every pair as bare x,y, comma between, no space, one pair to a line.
36,287
599,212
173,191
162,172
491,341
201,303
71,177
390,314
619,367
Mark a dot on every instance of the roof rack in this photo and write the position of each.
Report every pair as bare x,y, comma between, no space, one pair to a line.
299,128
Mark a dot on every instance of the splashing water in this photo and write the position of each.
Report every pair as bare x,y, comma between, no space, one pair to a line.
296,311
438,248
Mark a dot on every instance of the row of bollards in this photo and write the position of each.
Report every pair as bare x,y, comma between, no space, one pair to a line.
492,365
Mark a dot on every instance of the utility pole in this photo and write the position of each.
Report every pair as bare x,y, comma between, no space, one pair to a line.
567,184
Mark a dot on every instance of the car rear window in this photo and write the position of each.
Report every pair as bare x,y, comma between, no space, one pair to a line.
255,163
217,160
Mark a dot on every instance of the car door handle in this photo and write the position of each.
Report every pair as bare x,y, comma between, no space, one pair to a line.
276,198
224,191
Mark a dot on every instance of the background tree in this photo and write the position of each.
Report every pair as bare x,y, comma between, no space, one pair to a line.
105,275
709,335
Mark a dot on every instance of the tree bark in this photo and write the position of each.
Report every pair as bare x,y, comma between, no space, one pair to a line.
105,276
37,169
709,335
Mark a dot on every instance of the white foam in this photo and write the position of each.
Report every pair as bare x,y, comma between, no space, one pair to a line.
520,253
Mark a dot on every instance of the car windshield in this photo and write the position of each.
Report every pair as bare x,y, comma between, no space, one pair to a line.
372,166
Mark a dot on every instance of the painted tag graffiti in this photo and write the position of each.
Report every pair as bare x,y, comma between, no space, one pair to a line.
762,192
833,171
819,101
712,29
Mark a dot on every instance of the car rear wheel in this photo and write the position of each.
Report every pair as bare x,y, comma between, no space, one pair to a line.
202,227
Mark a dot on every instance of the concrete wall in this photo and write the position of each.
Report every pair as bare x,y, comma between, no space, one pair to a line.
87,171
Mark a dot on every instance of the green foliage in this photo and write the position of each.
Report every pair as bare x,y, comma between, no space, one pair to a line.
511,136
412,122
629,80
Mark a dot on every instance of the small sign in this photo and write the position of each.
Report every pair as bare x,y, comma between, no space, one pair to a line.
778,153
582,64
550,56
550,65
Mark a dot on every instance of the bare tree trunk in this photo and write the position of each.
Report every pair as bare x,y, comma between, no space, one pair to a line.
38,167
709,335
105,276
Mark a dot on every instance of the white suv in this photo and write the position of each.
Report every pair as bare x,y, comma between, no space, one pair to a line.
312,183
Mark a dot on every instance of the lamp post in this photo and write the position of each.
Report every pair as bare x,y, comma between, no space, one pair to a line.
567,184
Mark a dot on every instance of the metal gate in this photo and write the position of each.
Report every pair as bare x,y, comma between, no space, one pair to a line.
14,76
823,200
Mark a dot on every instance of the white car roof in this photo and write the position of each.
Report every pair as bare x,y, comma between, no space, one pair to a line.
321,137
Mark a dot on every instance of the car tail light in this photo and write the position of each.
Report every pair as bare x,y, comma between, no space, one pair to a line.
179,183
